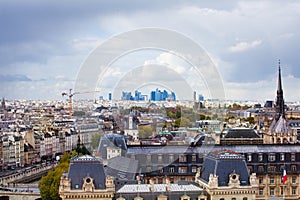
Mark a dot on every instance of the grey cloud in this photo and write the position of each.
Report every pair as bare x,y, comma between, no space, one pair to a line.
13,78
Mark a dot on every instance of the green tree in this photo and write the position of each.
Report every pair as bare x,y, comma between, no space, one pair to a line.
183,122
250,120
145,131
49,184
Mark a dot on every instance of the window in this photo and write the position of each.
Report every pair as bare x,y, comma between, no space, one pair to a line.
282,157
261,169
76,186
194,169
293,180
272,191
249,157
271,157
293,157
148,158
233,198
245,198
272,181
294,168
194,158
182,170
171,170
271,168
171,158
294,191
261,191
148,169
250,169
161,169
159,158
182,158
132,156
261,180
260,157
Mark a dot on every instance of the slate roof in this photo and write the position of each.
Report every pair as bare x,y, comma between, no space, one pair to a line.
222,164
83,166
241,133
279,126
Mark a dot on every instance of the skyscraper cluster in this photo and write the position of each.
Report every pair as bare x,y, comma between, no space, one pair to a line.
156,95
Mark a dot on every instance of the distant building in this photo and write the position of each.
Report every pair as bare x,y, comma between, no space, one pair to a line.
138,96
201,97
109,96
236,136
159,95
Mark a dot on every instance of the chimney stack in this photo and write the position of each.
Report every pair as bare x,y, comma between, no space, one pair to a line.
168,184
151,181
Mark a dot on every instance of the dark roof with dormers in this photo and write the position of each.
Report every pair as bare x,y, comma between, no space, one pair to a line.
86,166
223,163
241,133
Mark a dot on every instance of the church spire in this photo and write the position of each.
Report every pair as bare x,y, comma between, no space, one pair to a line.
279,98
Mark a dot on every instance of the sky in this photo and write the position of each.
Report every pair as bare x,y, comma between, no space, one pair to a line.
45,44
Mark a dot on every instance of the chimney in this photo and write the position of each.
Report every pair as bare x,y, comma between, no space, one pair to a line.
138,178
151,181
168,184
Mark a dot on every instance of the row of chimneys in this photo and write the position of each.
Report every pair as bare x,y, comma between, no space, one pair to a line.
151,182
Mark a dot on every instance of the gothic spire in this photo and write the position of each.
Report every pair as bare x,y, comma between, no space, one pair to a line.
279,98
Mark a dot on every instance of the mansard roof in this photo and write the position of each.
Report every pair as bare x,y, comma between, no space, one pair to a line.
241,133
222,164
86,166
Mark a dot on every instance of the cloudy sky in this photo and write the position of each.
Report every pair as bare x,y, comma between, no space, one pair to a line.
43,45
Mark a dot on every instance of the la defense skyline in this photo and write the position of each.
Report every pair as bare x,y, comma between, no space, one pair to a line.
162,94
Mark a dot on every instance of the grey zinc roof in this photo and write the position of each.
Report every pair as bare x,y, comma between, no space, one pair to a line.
174,187
285,148
81,167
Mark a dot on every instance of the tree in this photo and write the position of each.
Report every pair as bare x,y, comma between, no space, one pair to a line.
145,131
49,184
250,120
183,122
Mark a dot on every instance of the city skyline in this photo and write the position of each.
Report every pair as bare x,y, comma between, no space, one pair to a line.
42,52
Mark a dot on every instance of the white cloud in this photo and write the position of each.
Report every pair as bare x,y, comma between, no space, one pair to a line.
263,90
244,46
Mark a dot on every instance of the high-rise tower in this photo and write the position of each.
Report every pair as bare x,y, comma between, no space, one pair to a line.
279,98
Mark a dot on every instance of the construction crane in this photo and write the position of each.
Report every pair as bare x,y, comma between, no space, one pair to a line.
70,95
